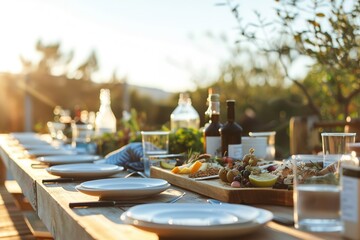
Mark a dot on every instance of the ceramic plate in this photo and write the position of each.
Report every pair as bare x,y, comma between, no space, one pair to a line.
68,159
124,188
49,152
37,147
124,183
82,170
197,220
29,138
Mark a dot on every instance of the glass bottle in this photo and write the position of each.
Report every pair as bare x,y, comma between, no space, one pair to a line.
208,110
105,121
211,133
231,134
184,115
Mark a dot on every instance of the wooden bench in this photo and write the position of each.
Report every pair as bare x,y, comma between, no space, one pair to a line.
35,225
12,223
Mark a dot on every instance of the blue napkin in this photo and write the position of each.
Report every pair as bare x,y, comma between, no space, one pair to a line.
127,156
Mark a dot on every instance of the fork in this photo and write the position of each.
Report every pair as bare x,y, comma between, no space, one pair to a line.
136,172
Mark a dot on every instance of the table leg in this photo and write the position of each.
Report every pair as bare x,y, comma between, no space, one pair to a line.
2,173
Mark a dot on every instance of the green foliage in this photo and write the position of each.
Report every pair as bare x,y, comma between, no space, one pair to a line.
185,140
127,132
325,31
109,142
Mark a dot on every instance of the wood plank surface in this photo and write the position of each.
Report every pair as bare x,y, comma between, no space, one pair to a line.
21,171
12,223
215,188
104,223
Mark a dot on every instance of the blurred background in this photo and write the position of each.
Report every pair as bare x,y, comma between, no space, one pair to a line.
61,53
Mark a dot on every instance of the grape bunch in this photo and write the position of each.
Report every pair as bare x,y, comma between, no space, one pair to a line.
247,167
242,179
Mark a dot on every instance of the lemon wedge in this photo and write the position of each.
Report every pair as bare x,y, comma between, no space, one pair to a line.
167,165
263,180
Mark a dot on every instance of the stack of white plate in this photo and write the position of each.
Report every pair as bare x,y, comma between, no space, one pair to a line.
84,170
124,188
197,220
67,159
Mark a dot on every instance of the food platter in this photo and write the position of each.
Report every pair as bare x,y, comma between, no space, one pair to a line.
215,188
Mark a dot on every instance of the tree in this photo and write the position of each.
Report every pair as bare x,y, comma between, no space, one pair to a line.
325,31
52,60
89,67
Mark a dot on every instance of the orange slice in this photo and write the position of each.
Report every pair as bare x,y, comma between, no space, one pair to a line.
180,169
184,170
195,167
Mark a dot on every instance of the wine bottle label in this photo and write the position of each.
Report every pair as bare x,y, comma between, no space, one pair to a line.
235,151
213,146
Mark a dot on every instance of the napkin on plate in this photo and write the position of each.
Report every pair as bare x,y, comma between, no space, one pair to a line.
127,156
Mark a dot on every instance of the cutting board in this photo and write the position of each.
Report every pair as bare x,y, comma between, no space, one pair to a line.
217,189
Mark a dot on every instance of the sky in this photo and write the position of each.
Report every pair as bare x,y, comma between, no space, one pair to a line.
154,43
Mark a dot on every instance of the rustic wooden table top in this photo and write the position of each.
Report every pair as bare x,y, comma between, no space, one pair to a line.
51,202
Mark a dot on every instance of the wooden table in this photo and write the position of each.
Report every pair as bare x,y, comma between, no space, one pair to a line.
51,201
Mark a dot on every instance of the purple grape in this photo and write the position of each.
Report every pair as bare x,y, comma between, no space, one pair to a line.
237,178
246,173
271,168
241,167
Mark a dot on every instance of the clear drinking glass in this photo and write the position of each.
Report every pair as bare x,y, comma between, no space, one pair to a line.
56,130
335,145
316,198
154,143
82,135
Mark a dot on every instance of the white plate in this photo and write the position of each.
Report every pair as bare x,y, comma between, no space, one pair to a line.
124,183
25,135
68,159
124,188
49,152
84,170
37,147
197,220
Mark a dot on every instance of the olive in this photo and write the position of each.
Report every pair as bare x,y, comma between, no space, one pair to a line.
253,161
222,174
231,174
246,159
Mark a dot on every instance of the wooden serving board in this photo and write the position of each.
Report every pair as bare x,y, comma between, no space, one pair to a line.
215,188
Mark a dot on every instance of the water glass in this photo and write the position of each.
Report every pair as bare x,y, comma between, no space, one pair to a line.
316,198
56,130
335,145
154,143
82,135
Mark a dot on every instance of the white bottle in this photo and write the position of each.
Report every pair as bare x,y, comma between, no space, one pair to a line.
184,115
105,121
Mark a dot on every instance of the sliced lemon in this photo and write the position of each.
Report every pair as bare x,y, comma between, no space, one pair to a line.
167,165
263,180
